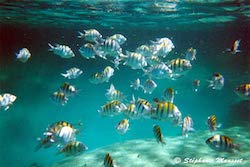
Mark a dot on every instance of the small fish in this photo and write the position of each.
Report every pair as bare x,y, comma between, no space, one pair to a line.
187,126
136,84
97,78
191,54
235,47
211,123
110,47
62,50
6,100
162,47
144,50
45,142
149,86
158,135
142,107
91,35
168,94
153,60
108,72
243,91
164,111
112,108
196,85
108,161
159,71
135,60
131,111
62,132
73,148
216,82
114,94
68,89
23,55
72,73
179,67
87,51
59,97
122,126
222,143
120,39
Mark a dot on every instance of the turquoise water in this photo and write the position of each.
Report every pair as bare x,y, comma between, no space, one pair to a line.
210,28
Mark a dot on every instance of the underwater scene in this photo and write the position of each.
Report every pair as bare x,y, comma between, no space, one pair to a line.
124,83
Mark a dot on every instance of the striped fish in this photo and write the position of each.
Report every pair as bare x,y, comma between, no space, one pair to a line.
222,143
164,110
87,51
187,125
131,111
168,94
142,107
110,47
211,123
243,91
73,148
179,67
62,50
59,97
97,78
135,60
68,89
91,35
108,161
114,94
62,131
158,135
112,108
216,82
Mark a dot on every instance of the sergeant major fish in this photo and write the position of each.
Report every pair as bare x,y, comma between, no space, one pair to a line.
108,72
164,111
169,94
61,131
158,134
91,35
222,143
243,91
187,125
97,78
59,97
211,123
179,67
114,94
191,54
120,39
235,47
216,82
6,100
73,148
87,51
23,55
159,71
62,50
68,89
112,108
162,46
135,60
72,73
149,86
45,142
122,126
136,84
108,161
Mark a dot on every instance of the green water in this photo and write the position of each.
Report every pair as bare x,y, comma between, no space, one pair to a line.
211,28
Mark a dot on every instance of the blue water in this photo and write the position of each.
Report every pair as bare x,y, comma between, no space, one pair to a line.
34,81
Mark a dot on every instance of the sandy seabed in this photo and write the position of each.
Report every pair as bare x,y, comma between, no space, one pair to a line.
178,151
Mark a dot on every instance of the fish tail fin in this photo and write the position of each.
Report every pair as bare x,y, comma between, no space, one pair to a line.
81,35
51,47
64,75
237,147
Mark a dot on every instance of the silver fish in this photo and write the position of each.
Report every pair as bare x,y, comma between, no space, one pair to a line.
23,55
6,100
62,50
72,73
87,51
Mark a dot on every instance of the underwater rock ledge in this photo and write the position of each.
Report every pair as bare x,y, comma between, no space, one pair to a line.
178,151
